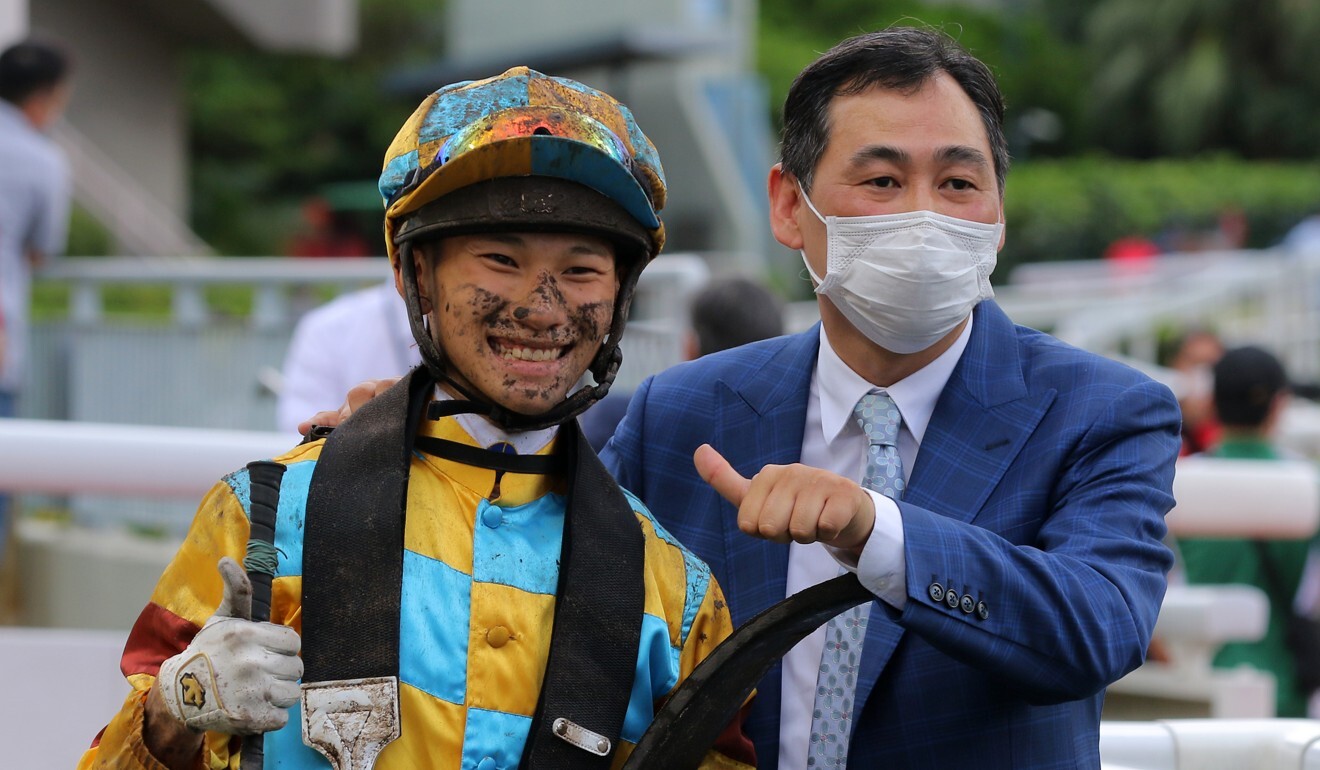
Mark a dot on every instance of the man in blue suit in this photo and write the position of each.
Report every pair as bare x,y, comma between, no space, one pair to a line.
1021,569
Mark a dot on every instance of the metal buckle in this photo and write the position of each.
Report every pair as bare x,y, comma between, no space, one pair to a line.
581,737
350,721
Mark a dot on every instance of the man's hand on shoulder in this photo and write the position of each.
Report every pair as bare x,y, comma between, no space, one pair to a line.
792,502
358,395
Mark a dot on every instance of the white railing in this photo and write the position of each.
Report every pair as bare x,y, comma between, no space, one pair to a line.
1266,297
68,458
665,286
188,279
1211,744
78,458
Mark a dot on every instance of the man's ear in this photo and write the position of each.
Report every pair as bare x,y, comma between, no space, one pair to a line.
785,200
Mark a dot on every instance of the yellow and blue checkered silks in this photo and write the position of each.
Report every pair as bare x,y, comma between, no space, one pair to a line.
522,124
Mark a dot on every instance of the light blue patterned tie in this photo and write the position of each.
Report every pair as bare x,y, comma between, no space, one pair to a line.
831,718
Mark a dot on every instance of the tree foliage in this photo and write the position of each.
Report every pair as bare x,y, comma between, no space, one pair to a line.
269,129
1181,77
1038,68
1130,78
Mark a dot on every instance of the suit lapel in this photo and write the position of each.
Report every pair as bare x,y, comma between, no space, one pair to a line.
981,421
760,421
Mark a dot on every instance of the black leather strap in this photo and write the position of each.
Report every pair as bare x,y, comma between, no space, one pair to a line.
701,707
538,465
353,538
598,616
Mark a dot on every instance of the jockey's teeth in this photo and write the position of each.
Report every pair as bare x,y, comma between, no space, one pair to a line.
532,354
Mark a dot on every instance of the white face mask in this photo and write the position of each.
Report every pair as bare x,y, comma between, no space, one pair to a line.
906,280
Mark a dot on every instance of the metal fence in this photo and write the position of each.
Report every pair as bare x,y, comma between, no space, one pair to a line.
1268,297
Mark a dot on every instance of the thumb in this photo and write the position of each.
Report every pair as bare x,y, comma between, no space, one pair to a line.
716,471
237,601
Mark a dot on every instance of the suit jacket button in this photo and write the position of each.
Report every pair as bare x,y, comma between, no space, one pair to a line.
951,598
968,604
982,611
936,592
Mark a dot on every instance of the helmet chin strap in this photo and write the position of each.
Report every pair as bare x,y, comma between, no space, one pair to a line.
604,367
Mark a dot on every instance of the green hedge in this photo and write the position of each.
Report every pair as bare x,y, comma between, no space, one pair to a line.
1072,209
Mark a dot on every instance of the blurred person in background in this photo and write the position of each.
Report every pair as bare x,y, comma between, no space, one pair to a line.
733,311
35,189
728,312
1250,395
326,233
1192,359
1304,237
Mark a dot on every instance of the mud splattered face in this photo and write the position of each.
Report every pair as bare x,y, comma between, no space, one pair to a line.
519,316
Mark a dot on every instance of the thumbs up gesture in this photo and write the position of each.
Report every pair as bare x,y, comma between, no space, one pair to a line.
236,676
792,502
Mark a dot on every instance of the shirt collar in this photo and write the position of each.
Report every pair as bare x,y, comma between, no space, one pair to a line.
9,113
487,433
840,388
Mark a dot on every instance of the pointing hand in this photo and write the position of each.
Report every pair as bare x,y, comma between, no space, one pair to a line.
792,502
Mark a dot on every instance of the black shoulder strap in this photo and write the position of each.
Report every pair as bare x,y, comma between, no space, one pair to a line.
598,620
353,538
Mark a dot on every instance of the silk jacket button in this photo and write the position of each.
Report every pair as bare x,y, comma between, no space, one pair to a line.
497,636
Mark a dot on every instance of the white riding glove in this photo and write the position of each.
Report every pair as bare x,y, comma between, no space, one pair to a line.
237,676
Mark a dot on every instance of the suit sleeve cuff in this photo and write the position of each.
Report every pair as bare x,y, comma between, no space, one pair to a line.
882,567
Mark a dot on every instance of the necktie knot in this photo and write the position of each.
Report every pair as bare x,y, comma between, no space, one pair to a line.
879,418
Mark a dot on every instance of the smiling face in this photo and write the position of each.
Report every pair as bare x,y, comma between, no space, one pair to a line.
889,152
519,316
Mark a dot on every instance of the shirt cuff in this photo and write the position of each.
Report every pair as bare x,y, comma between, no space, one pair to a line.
882,568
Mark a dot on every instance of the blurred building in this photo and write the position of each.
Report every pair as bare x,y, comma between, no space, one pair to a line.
126,127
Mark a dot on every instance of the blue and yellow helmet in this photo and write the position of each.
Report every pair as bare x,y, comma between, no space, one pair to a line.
527,128
525,151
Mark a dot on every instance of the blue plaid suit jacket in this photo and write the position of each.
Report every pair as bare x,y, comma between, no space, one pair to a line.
1040,489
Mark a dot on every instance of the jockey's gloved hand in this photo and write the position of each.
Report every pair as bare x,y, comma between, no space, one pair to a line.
236,676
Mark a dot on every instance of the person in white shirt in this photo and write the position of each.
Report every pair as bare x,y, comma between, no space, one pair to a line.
354,337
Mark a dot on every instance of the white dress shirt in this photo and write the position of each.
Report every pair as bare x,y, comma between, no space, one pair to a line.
833,440
362,335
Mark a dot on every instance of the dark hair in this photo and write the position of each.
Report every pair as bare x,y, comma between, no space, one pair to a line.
899,58
1246,381
735,311
31,67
